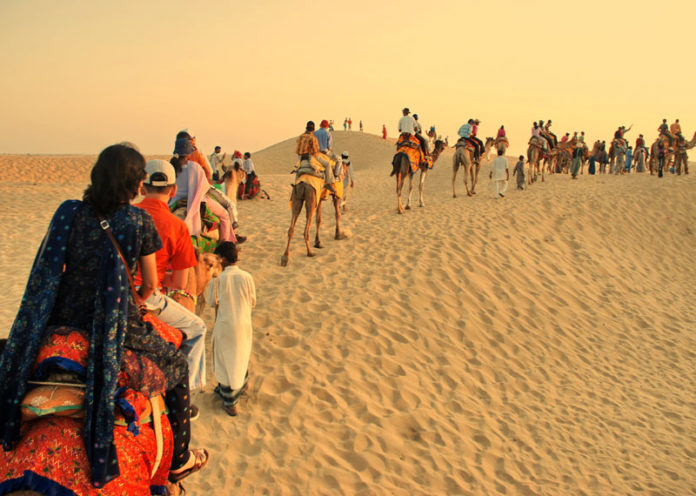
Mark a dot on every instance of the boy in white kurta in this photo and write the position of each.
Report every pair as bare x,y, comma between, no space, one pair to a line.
234,295
499,174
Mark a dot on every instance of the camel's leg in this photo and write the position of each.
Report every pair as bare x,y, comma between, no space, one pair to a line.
296,208
337,209
311,209
474,180
317,241
410,190
421,186
399,187
468,176
455,166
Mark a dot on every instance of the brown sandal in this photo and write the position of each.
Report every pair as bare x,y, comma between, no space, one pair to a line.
200,459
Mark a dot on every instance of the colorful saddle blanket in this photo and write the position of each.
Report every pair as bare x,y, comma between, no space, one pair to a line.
411,147
462,142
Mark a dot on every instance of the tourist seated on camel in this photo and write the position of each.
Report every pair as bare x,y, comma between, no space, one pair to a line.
184,141
178,255
193,187
75,295
465,134
311,160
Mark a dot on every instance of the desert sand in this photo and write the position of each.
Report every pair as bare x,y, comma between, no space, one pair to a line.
540,344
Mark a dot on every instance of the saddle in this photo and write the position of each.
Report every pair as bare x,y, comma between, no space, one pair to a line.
463,143
411,147
537,141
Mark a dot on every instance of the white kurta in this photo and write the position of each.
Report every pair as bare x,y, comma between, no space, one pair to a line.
235,294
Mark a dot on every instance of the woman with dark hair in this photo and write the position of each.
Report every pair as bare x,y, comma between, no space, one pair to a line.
192,185
78,287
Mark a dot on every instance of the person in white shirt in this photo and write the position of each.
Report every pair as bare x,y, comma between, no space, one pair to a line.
216,158
250,171
500,174
407,124
234,295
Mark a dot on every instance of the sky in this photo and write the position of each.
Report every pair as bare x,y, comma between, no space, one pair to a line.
81,75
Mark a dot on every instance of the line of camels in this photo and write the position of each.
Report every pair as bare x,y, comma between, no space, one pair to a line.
538,165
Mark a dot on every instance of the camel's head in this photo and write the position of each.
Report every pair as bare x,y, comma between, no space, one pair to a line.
212,264
439,146
489,141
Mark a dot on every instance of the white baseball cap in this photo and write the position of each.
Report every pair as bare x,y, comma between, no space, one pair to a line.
159,173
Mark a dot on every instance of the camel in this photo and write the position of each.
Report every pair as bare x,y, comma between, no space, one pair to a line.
197,279
534,152
654,156
619,147
680,156
563,160
462,157
401,168
502,143
303,195
640,159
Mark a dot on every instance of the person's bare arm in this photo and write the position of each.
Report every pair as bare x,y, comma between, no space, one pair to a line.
148,270
178,279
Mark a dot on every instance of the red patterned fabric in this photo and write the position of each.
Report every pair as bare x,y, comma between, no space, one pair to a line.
52,447
167,332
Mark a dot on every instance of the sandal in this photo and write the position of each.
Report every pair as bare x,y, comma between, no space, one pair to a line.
175,489
200,459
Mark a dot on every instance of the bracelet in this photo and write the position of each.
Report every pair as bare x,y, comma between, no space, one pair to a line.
171,292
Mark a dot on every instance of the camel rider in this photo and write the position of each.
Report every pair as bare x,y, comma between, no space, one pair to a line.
537,135
582,138
664,131
465,134
407,124
419,135
308,149
676,131
543,134
552,139
640,143
325,140
474,132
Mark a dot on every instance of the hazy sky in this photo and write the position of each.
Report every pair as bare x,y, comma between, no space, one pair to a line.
80,75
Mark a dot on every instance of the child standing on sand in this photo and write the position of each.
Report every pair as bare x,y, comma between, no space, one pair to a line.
234,295
519,171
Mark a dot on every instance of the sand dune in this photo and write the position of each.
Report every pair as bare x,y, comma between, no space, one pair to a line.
539,344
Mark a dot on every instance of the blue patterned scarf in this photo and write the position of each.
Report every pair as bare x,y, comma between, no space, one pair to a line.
106,342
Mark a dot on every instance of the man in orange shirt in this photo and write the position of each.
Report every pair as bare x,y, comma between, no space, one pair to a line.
176,253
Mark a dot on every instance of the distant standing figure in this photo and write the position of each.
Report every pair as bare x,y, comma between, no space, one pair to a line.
250,172
518,171
216,158
661,156
350,124
629,159
234,295
345,124
361,128
347,178
499,174
577,161
384,131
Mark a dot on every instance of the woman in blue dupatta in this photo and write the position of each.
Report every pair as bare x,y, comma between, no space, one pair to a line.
78,280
